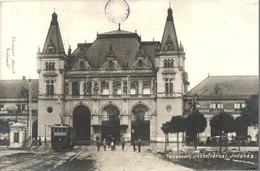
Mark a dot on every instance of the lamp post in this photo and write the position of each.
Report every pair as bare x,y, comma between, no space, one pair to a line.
45,140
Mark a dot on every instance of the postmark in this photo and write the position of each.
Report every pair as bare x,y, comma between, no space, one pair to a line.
117,11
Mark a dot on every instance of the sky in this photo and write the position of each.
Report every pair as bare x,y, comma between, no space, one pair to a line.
220,37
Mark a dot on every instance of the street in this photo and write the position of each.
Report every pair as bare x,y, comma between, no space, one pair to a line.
87,158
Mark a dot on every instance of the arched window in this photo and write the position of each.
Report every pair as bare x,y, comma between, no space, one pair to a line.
133,88
146,87
140,63
104,87
87,88
117,87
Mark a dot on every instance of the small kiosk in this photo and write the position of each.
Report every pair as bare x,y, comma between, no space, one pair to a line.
17,135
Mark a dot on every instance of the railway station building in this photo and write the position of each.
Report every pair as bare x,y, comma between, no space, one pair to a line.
119,85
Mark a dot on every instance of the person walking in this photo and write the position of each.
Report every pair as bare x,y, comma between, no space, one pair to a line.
123,144
113,145
104,144
97,143
109,138
133,143
139,145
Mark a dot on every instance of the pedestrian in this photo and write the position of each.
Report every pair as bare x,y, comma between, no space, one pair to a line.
104,144
39,141
123,144
97,143
109,138
139,145
112,145
133,143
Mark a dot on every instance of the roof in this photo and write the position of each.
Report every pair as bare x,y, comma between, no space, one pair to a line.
18,125
226,86
123,45
13,88
169,33
53,39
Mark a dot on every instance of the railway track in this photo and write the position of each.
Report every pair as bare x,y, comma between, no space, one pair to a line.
45,161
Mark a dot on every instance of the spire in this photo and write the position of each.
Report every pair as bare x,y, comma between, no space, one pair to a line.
53,42
169,17
169,38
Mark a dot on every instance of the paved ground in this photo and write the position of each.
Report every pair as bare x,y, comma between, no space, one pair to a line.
90,159
128,160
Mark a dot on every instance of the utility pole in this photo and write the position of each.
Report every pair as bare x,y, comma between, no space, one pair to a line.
27,101
30,112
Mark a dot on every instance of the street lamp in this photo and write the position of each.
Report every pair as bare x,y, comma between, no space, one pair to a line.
45,141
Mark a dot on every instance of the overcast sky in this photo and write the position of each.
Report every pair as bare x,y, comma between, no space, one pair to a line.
220,37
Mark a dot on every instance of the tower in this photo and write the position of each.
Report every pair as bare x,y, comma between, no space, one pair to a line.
171,76
51,63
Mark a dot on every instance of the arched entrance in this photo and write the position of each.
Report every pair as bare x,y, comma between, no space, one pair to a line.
110,122
140,123
81,123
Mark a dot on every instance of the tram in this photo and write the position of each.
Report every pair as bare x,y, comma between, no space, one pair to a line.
62,137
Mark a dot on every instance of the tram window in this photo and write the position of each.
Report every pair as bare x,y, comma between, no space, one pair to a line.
60,129
55,130
64,130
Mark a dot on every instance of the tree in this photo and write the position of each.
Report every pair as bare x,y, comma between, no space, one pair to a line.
4,127
195,124
178,125
241,128
223,123
166,128
250,112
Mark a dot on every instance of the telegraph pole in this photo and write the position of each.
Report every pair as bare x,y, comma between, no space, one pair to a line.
30,112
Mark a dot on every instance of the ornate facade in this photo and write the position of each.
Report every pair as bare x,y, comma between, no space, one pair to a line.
118,85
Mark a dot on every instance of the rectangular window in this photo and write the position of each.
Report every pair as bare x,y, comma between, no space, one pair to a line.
169,89
239,106
220,106
23,107
16,137
75,88
216,106
50,88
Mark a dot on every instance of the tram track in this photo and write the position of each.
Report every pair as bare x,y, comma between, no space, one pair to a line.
47,161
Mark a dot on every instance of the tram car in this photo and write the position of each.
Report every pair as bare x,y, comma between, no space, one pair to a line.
62,137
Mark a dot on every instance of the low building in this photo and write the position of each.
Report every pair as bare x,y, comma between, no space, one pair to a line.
14,102
221,93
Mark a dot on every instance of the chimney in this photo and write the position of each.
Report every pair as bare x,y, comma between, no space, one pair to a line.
24,78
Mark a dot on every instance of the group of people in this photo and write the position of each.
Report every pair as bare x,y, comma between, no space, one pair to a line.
111,143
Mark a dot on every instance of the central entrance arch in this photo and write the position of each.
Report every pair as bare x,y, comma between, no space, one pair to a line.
81,123
140,123
110,122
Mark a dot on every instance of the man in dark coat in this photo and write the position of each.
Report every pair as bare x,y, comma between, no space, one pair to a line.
123,144
133,143
139,145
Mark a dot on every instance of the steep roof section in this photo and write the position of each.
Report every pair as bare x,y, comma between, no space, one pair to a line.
169,34
53,42
226,86
122,45
15,88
